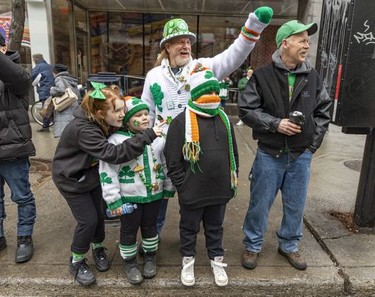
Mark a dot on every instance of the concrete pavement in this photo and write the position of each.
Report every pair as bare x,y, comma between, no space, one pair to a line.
340,263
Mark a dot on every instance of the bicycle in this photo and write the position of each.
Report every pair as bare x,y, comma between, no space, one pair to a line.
35,109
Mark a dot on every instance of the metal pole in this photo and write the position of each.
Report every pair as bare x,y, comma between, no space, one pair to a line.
364,212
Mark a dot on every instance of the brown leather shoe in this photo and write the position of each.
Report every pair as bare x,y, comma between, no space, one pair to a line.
249,259
295,259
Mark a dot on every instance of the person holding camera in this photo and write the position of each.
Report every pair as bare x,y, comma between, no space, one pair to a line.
287,107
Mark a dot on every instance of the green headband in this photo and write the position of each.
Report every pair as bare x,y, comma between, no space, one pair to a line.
97,92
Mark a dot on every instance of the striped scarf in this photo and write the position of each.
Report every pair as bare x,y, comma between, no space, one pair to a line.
206,106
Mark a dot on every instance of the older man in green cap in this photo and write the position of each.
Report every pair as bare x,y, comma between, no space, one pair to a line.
166,88
287,107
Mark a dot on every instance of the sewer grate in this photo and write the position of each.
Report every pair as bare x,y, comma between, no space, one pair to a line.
354,164
40,165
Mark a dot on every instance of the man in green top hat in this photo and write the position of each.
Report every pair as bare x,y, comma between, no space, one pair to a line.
166,88
287,106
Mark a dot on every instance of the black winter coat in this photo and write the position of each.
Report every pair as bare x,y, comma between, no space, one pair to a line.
265,102
15,129
210,184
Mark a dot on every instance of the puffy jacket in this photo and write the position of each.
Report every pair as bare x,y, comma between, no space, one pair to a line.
63,80
62,118
265,102
15,129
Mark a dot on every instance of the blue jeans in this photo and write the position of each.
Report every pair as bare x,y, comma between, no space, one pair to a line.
16,174
268,176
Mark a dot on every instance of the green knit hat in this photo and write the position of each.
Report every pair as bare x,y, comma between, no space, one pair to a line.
294,27
202,81
133,105
176,28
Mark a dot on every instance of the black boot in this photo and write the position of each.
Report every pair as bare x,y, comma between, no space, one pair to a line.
24,249
132,271
149,268
81,272
101,259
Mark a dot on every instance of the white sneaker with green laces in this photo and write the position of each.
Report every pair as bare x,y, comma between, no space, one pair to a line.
217,266
187,272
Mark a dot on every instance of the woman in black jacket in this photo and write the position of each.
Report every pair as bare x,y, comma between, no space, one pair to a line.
75,171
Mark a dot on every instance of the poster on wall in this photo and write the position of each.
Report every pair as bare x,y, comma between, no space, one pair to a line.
5,21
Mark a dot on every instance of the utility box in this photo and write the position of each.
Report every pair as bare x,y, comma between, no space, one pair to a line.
346,61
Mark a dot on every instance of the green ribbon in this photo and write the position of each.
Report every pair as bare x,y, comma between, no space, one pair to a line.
97,92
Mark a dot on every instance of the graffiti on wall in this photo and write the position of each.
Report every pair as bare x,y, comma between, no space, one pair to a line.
366,36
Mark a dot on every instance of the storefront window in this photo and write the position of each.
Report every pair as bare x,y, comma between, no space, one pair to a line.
116,42
216,35
63,37
153,32
128,43
82,45
98,36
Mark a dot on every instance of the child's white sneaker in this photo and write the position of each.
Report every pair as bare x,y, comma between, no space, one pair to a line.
239,123
187,272
217,266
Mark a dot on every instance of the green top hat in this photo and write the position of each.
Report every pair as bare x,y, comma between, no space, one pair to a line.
176,28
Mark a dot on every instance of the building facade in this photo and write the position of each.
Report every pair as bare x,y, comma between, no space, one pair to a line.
123,36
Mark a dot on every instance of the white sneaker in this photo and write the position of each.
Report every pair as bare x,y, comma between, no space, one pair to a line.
187,272
239,123
217,266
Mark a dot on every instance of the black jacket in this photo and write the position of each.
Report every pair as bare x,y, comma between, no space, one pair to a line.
81,145
210,184
265,102
15,129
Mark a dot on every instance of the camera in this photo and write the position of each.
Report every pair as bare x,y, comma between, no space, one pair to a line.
297,117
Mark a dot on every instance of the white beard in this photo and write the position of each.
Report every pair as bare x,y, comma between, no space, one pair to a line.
182,61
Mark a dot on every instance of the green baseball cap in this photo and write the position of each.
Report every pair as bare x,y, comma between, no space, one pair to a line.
176,28
294,27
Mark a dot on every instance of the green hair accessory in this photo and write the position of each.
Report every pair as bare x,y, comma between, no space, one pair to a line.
97,92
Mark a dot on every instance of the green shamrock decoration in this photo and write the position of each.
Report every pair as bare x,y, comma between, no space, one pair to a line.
105,179
169,119
209,74
136,101
136,123
126,175
158,95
